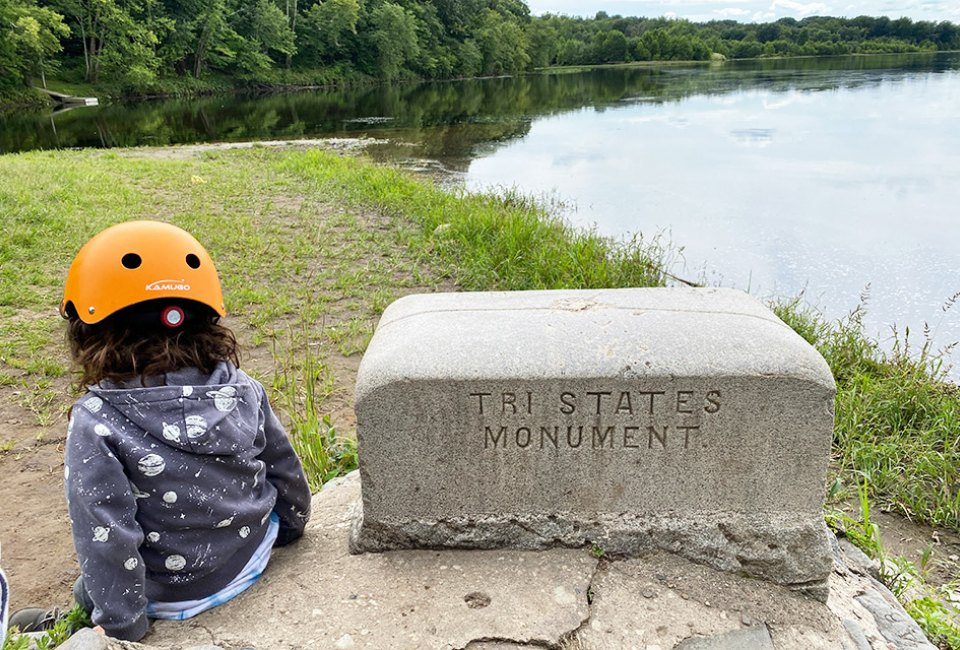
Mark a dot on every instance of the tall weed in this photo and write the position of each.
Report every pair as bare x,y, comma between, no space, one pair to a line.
303,382
897,421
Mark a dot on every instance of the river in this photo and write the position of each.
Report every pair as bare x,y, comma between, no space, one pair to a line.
835,177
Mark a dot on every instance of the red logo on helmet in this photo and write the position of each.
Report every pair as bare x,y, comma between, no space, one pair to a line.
172,316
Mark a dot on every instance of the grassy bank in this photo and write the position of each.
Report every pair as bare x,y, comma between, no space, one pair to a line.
312,246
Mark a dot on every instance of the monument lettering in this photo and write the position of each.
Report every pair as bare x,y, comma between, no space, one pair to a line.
627,418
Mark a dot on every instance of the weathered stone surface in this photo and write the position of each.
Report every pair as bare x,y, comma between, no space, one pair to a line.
857,560
690,420
870,614
680,600
894,624
317,595
751,638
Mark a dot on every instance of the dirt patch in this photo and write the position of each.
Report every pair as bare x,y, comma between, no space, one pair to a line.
904,538
35,530
183,152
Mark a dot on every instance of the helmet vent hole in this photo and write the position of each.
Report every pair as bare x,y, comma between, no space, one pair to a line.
131,261
193,261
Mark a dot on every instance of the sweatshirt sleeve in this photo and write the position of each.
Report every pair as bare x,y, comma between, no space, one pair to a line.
285,473
106,534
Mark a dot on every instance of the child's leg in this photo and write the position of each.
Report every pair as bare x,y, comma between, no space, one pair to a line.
81,596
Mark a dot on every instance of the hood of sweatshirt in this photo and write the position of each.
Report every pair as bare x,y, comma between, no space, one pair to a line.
194,412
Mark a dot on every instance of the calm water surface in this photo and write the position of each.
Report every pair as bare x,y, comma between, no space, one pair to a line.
833,182
828,176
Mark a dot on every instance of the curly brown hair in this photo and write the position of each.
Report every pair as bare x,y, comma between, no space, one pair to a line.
123,347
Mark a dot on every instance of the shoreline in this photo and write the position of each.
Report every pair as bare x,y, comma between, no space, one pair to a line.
211,89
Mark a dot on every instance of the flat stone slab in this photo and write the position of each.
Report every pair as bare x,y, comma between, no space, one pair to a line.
688,420
316,595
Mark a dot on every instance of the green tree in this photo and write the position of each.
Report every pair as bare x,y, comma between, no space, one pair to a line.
35,39
325,28
542,44
502,43
612,47
119,37
267,38
394,38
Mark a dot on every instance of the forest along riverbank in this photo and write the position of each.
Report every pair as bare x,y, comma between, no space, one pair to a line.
138,50
312,246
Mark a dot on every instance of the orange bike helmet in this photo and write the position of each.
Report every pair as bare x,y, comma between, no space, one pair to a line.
136,262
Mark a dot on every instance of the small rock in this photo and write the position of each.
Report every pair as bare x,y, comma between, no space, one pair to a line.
86,639
754,638
857,561
344,643
648,593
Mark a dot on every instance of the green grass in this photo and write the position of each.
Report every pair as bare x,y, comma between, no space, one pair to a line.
285,254
483,241
75,87
303,382
897,417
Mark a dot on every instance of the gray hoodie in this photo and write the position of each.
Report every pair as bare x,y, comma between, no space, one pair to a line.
170,488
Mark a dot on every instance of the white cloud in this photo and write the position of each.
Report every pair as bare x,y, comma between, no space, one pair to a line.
801,9
732,12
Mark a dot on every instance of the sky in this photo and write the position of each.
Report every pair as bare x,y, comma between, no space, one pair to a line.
753,10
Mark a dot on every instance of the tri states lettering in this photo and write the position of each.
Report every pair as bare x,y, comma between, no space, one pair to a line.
601,419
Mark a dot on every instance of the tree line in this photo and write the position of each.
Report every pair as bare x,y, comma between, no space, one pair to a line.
613,39
144,46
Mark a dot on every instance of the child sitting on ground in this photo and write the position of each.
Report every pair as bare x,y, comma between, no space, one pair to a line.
179,477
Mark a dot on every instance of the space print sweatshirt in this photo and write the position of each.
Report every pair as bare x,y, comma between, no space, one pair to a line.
170,488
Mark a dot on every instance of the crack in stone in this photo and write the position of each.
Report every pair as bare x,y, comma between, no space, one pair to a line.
567,640
570,640
533,643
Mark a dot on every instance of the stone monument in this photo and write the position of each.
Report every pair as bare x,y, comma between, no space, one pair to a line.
624,420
